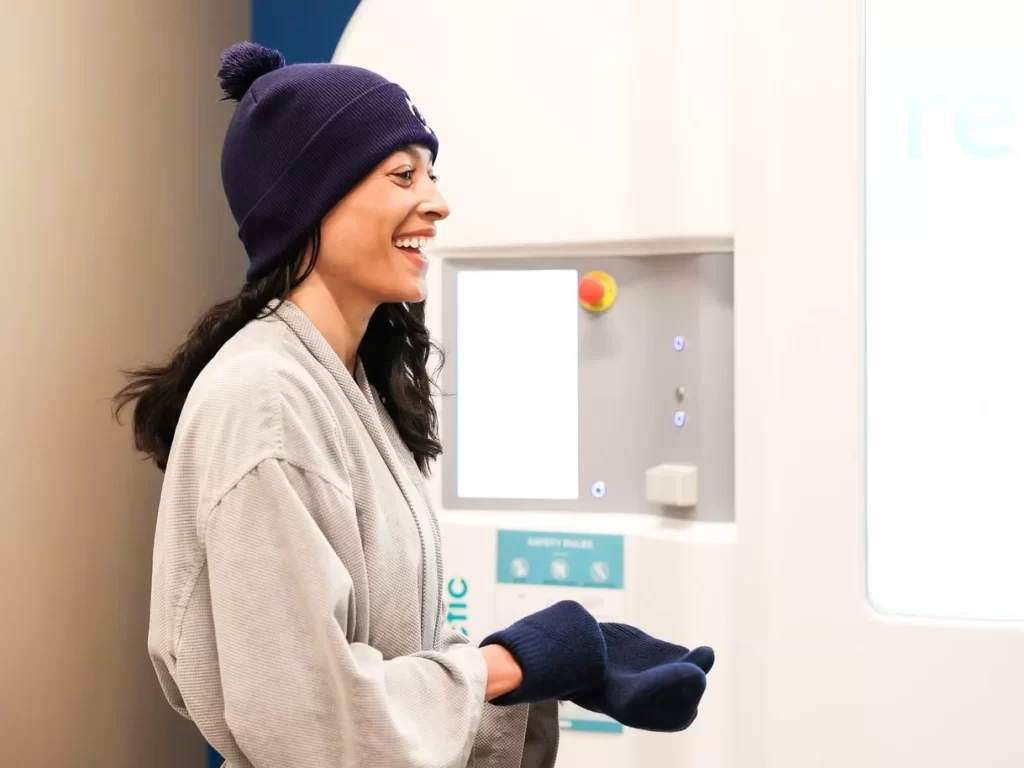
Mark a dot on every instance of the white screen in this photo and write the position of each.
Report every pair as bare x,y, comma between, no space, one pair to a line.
517,384
945,307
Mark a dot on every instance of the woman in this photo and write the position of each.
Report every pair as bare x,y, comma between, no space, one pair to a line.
296,610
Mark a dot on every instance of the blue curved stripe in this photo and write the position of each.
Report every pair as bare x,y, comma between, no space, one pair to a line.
303,30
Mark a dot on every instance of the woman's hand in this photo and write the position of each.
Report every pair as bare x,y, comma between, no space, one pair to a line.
563,653
558,653
503,673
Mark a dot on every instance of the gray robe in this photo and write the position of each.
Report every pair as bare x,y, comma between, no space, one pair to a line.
296,611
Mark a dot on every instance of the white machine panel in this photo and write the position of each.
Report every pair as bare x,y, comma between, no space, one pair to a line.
667,578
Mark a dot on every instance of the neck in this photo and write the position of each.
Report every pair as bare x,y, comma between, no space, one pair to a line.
342,320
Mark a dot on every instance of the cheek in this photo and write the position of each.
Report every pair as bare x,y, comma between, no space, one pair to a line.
357,251
348,249
366,261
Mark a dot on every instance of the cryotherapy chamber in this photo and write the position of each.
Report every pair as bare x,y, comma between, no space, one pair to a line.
583,292
775,183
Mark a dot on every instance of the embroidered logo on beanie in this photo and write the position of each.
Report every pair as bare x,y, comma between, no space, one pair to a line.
417,113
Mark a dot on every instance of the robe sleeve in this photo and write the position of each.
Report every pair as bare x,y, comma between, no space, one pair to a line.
527,731
297,690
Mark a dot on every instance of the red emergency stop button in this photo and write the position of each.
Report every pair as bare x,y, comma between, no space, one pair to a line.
591,290
597,291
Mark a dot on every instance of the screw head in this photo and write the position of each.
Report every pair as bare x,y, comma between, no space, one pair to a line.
679,418
598,490
678,343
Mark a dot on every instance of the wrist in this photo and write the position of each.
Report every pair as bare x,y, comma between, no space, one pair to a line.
504,674
560,650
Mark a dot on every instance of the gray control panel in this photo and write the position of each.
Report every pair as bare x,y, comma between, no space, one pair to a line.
653,394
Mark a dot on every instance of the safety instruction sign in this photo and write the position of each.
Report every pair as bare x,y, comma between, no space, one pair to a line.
539,568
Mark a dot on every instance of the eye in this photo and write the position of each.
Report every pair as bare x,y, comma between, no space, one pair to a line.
408,174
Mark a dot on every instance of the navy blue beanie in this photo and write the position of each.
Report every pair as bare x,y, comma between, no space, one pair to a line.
301,137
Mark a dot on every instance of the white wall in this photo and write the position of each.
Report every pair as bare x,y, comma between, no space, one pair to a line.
113,235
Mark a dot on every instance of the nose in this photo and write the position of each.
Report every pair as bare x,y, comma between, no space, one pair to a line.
434,206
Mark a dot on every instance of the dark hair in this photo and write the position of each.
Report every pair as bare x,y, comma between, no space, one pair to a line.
394,351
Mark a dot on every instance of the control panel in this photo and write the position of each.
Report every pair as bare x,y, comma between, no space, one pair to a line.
601,384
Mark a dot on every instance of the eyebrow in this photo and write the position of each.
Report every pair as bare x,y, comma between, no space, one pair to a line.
411,152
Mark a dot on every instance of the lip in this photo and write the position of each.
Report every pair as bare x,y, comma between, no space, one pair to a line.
418,233
417,259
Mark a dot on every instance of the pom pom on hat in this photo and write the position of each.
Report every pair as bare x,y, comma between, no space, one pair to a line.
242,64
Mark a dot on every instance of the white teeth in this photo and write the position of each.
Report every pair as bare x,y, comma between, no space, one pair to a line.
414,242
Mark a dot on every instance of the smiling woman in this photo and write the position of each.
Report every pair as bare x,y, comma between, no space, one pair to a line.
297,613
294,426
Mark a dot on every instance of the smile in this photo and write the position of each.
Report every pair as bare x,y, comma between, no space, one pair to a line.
416,244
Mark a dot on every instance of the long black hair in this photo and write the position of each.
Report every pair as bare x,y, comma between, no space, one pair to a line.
395,351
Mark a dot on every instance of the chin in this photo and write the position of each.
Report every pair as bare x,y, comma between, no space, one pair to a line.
420,291
412,292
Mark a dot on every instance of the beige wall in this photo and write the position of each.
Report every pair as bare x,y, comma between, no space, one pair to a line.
113,234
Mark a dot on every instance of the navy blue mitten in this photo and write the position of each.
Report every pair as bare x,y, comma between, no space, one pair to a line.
649,684
561,651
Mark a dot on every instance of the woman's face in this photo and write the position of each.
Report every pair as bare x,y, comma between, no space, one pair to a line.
371,241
